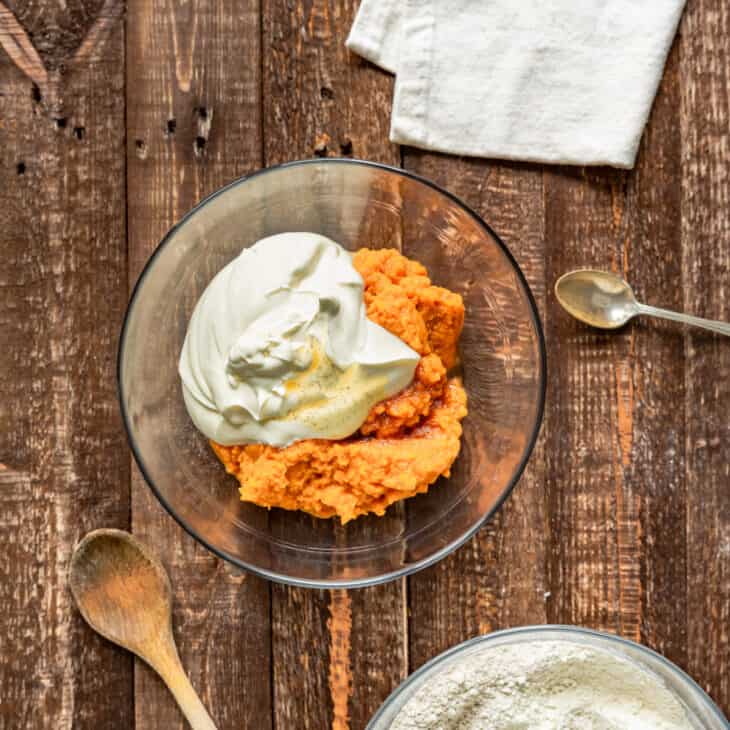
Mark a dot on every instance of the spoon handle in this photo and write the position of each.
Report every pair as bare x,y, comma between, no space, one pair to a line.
169,667
709,324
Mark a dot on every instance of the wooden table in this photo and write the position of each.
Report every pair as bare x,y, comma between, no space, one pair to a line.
117,126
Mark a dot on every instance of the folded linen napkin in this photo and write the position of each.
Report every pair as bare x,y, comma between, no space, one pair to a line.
558,81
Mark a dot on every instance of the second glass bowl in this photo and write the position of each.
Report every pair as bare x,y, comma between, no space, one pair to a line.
701,710
357,204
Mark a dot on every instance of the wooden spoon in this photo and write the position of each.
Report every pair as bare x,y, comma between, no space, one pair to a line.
124,593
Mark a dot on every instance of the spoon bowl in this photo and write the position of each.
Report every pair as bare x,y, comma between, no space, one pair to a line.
597,298
124,593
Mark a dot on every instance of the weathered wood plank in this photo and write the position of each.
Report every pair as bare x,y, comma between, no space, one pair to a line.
705,124
319,99
62,291
588,496
649,383
616,483
193,98
337,655
497,579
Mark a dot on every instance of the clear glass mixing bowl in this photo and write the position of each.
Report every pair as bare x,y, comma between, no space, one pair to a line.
358,204
701,710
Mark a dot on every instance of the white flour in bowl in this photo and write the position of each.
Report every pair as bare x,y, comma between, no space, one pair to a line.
543,685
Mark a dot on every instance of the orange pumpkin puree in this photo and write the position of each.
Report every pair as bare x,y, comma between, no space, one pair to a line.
405,443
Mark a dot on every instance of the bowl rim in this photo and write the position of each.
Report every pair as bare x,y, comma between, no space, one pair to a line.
542,629
454,544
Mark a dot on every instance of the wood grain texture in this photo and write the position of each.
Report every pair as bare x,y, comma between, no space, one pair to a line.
336,655
66,37
615,446
705,230
65,470
319,99
497,579
649,383
193,119
585,477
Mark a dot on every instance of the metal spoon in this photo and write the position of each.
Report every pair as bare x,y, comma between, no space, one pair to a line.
124,593
607,301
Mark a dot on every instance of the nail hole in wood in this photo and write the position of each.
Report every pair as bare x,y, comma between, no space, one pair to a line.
171,126
79,132
346,146
35,93
20,167
199,144
326,93
202,112
320,144
60,123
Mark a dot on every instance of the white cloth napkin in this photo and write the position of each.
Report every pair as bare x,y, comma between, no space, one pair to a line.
558,81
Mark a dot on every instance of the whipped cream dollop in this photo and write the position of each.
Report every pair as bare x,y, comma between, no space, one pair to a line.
279,347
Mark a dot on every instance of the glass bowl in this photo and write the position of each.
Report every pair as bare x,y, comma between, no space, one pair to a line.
701,710
358,204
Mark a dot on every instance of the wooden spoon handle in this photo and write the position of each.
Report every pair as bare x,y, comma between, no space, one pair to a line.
169,667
